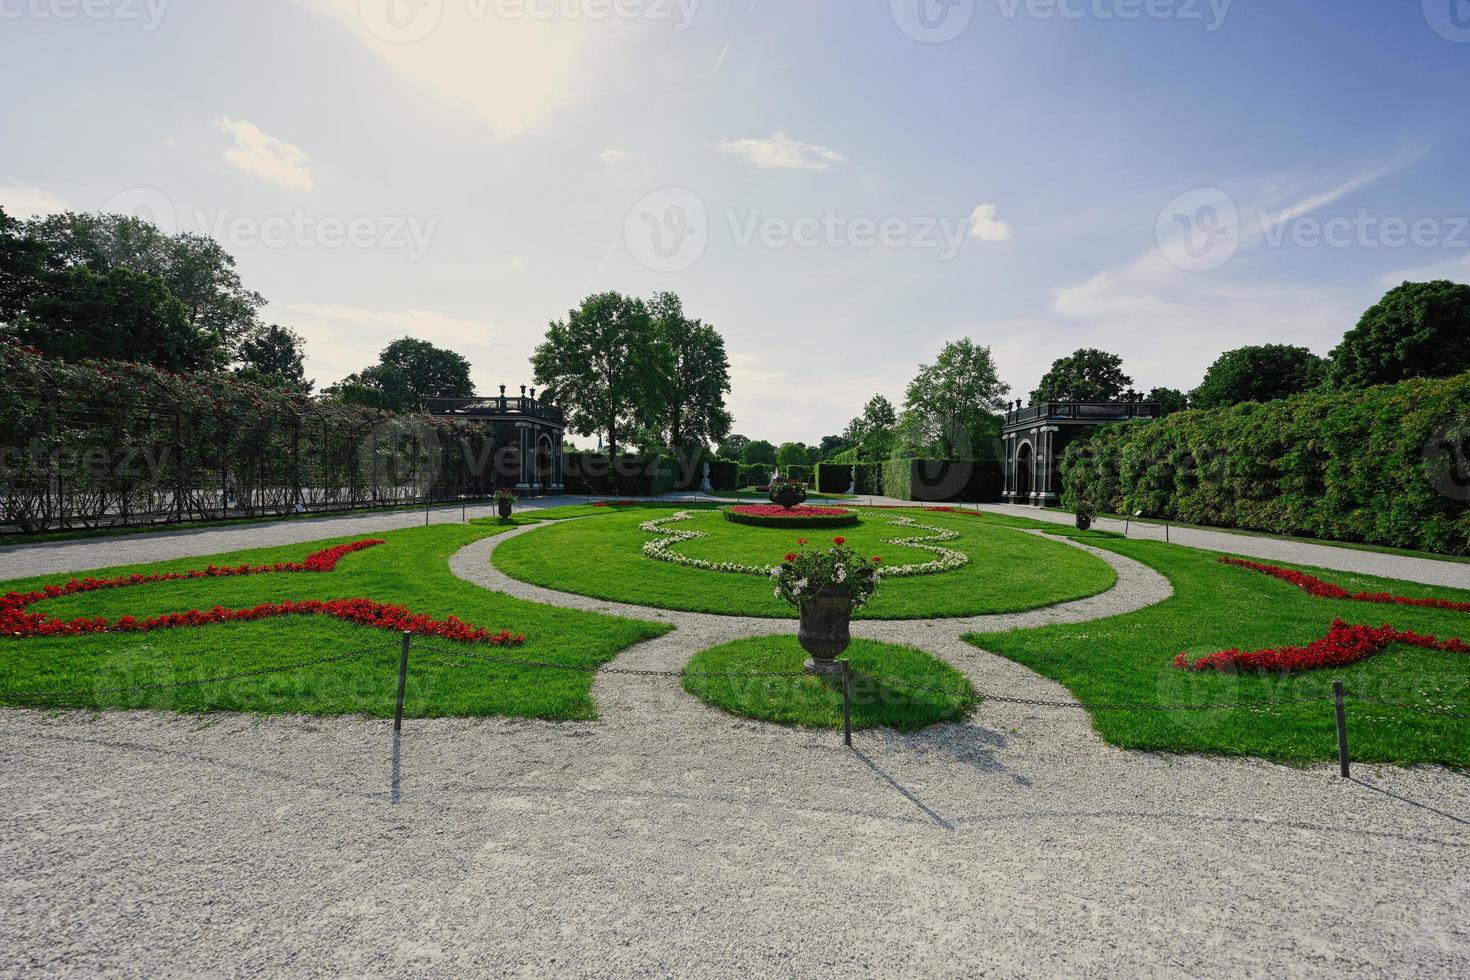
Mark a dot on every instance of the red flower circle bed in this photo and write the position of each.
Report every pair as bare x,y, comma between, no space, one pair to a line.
1342,645
771,515
17,622
1326,590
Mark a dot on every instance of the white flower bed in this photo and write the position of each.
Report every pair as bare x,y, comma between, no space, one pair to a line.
661,549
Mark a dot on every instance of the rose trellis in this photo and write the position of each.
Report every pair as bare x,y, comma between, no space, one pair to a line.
662,549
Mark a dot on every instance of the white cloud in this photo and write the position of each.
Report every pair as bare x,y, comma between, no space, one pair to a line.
511,71
614,157
20,201
986,227
261,155
344,339
783,153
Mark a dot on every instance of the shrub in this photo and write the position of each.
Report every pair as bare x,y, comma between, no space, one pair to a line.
1376,465
724,474
941,480
802,474
795,518
833,477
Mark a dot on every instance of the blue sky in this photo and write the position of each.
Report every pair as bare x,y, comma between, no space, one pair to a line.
833,187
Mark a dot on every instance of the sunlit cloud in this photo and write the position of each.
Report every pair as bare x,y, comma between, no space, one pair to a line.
783,153
261,155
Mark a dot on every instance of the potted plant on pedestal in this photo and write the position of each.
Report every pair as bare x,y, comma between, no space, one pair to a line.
1086,514
787,493
826,585
505,502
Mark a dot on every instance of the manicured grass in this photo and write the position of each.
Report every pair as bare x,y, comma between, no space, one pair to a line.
410,569
892,686
1129,659
602,557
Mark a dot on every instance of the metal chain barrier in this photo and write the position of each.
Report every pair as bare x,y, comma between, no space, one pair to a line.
1407,707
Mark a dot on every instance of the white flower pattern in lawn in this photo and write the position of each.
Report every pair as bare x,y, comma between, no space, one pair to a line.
661,549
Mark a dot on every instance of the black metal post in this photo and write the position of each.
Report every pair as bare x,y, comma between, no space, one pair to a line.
426,508
847,703
1342,745
402,682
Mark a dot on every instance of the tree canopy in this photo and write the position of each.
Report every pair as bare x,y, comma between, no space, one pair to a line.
408,371
274,356
606,364
1086,375
1259,374
758,453
792,454
1170,400
950,407
1418,329
694,411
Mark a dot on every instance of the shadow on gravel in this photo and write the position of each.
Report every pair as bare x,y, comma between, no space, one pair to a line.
1404,799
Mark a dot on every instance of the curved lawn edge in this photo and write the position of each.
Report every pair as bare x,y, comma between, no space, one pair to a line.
540,563
893,686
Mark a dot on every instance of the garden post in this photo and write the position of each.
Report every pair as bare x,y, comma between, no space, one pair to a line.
1342,745
847,703
402,682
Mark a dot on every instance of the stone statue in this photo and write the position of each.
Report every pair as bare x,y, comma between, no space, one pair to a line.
705,486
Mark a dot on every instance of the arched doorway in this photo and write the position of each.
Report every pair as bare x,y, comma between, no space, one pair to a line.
1025,472
545,466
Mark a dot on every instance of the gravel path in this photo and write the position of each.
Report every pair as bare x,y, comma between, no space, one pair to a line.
670,839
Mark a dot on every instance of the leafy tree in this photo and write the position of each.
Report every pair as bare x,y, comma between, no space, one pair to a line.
829,447
759,453
873,431
733,447
118,315
792,454
408,371
1418,329
606,365
275,355
195,268
24,266
1259,374
1087,375
694,398
951,405
1171,400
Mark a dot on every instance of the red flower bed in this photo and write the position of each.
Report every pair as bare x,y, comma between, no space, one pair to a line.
16,621
1342,645
1326,590
771,510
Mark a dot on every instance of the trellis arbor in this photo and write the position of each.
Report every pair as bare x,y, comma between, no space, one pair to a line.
108,444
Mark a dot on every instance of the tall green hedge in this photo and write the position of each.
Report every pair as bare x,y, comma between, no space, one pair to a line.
943,480
1383,465
600,475
833,477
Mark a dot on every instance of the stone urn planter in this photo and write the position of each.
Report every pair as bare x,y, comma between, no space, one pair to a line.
505,507
824,633
1085,516
787,497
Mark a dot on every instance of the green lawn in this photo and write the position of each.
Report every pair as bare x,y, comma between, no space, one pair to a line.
410,569
1128,659
602,557
892,686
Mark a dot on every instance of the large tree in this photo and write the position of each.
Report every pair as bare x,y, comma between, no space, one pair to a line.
694,412
758,453
1419,329
274,355
732,447
872,433
1259,374
196,269
1086,375
792,454
951,405
1169,400
607,366
408,371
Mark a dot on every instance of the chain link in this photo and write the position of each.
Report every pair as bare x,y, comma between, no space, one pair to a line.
1408,707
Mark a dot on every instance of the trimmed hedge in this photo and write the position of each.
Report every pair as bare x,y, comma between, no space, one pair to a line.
809,520
944,480
757,475
833,477
1383,465
600,475
724,474
802,473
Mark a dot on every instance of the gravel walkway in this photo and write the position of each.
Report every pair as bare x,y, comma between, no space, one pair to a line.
670,839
